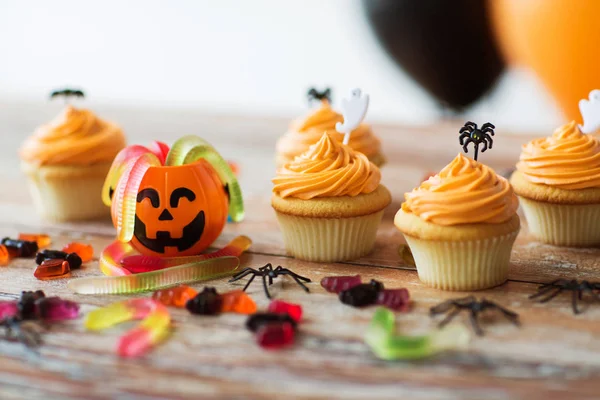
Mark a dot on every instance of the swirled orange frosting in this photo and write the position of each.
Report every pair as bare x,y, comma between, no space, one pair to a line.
569,159
303,133
464,192
75,137
327,169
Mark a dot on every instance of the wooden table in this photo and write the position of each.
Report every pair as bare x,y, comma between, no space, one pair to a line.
553,355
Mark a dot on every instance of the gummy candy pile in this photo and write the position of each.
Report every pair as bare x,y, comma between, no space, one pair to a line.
353,292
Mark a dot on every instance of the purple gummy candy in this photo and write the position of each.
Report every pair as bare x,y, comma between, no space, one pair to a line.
8,309
394,299
57,309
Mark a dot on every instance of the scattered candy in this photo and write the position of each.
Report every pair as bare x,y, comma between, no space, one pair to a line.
207,302
4,255
385,344
186,273
361,295
394,299
137,341
336,284
19,317
255,321
281,307
85,251
268,272
52,268
41,239
275,336
175,297
237,301
20,248
72,258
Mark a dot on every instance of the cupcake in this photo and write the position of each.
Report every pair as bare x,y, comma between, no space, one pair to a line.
329,202
558,183
66,162
305,132
461,225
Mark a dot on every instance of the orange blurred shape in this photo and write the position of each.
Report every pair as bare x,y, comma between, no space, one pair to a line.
41,239
237,301
176,296
4,255
558,39
85,251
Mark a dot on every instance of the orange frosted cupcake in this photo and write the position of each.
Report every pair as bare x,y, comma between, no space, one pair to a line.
461,225
305,132
558,182
329,202
66,162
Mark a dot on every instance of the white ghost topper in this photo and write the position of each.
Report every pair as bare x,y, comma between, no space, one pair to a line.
590,112
354,110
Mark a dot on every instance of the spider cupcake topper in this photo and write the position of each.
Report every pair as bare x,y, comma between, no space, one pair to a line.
471,134
314,94
66,93
354,110
590,112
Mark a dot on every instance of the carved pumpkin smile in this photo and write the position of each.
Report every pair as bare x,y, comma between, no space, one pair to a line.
191,234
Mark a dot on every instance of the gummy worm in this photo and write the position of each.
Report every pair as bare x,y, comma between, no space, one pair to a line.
137,341
190,149
121,258
193,272
125,197
142,263
387,345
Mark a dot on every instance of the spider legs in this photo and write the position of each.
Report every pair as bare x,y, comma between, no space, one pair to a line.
264,281
449,317
511,316
475,323
469,140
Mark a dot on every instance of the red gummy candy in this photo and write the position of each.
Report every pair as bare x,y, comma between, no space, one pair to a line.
336,284
85,251
394,299
8,309
281,307
56,309
52,268
175,297
275,336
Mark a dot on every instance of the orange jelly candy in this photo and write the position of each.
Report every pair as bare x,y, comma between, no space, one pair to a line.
175,297
4,255
84,251
41,239
52,268
237,301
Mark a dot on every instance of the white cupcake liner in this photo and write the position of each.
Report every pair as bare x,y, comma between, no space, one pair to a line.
462,265
68,198
576,225
329,239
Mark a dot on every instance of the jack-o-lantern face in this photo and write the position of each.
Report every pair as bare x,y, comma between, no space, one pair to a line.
180,210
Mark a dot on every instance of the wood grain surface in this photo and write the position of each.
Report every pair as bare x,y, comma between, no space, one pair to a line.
554,355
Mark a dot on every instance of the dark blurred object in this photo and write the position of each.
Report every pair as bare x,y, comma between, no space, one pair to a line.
446,46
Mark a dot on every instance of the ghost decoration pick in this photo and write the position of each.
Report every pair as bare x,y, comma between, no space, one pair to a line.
354,110
590,112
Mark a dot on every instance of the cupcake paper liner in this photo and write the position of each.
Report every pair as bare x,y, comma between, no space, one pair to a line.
563,224
68,198
462,265
329,239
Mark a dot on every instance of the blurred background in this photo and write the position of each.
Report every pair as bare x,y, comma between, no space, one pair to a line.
420,60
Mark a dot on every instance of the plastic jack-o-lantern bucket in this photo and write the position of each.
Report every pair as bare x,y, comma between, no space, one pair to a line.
173,209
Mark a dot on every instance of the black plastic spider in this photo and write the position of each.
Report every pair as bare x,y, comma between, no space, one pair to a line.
314,94
475,307
477,136
267,271
577,288
66,93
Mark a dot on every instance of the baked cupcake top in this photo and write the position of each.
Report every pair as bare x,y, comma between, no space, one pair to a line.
569,159
305,132
464,192
75,137
328,169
